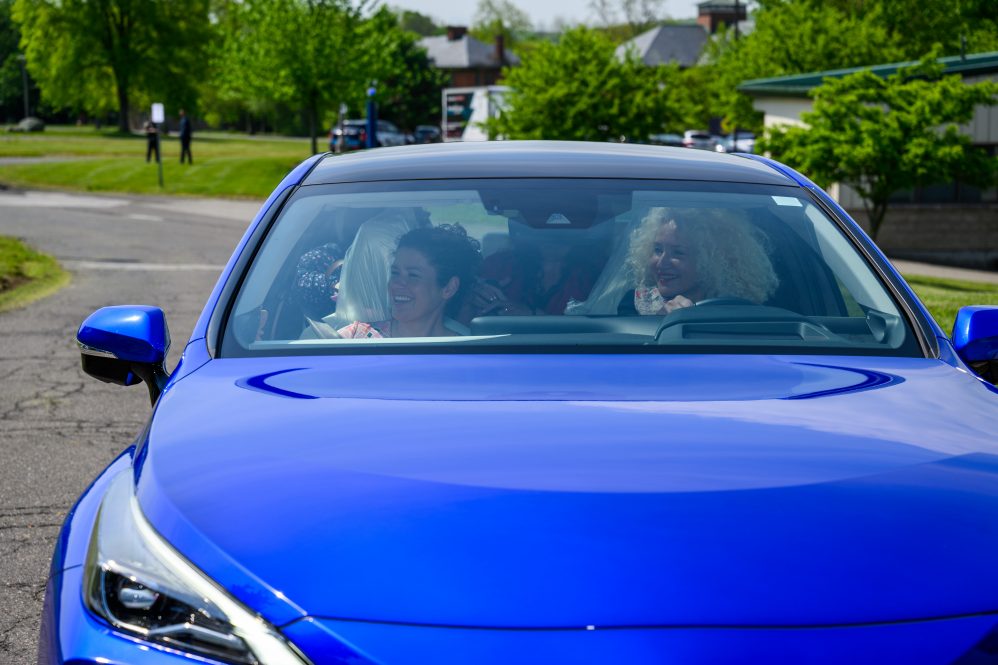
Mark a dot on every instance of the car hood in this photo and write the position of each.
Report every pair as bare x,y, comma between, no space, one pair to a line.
565,491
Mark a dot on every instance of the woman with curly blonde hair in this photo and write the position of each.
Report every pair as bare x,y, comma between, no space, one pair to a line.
679,256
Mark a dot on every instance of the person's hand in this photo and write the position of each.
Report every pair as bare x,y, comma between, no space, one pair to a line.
678,302
488,298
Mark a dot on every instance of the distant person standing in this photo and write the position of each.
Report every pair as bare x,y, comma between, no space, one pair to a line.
152,140
185,137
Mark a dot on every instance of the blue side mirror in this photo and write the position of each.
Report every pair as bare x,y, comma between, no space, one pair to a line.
975,338
126,344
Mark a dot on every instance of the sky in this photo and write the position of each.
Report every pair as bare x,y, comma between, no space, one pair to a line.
543,14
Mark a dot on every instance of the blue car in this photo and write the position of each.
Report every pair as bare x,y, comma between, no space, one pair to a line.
543,403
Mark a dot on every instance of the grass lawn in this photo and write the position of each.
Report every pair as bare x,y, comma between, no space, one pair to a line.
944,297
26,275
104,161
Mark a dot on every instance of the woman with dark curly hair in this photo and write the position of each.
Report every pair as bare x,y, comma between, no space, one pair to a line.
433,269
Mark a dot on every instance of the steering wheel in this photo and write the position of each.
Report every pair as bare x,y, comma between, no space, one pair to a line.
709,302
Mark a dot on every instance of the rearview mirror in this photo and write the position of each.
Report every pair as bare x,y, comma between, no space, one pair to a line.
975,337
126,344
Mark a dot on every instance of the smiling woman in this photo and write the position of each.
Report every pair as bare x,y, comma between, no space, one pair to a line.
680,256
431,274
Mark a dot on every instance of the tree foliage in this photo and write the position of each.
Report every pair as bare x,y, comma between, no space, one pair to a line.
885,135
801,36
302,53
314,55
578,89
500,17
792,37
95,55
625,19
408,88
11,92
417,23
916,27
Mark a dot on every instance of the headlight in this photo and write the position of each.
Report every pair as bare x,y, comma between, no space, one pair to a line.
141,585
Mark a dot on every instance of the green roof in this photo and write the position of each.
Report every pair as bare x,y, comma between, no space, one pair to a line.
800,85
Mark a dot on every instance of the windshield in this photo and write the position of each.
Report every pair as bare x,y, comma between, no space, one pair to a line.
505,265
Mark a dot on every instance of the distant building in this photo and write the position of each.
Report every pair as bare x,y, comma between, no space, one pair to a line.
785,98
663,44
947,221
468,61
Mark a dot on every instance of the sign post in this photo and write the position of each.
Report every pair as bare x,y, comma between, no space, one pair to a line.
158,117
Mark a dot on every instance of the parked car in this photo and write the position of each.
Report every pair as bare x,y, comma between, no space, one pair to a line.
693,138
743,439
29,124
674,140
354,135
427,134
736,142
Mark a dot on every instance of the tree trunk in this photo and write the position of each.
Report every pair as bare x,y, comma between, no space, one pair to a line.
875,214
122,84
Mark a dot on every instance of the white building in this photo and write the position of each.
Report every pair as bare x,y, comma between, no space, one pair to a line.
785,99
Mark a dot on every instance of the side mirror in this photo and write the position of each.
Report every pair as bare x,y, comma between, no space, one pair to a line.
126,344
975,337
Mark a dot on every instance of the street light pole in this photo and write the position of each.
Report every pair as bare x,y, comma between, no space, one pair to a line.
24,79
372,116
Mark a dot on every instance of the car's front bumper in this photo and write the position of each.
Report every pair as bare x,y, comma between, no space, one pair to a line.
950,642
70,634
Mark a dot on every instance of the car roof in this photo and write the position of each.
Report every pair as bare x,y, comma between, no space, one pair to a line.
540,159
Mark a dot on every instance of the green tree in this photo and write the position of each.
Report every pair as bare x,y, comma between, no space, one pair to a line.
95,55
578,89
500,17
792,37
625,19
801,36
885,135
303,53
11,89
408,84
919,26
418,23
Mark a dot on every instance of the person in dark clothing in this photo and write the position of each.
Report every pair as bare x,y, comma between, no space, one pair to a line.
152,140
185,138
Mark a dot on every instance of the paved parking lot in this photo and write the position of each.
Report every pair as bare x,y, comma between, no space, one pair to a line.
58,427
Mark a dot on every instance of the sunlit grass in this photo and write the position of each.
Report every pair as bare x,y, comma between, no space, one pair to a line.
944,297
86,141
82,158
26,275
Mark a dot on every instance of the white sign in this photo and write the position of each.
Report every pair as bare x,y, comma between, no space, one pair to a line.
157,113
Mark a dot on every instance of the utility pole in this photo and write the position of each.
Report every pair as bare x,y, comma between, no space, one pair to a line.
738,13
21,58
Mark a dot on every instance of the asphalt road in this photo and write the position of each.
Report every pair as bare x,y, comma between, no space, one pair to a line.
59,427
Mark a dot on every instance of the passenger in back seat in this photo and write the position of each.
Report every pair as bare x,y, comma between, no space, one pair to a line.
540,274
